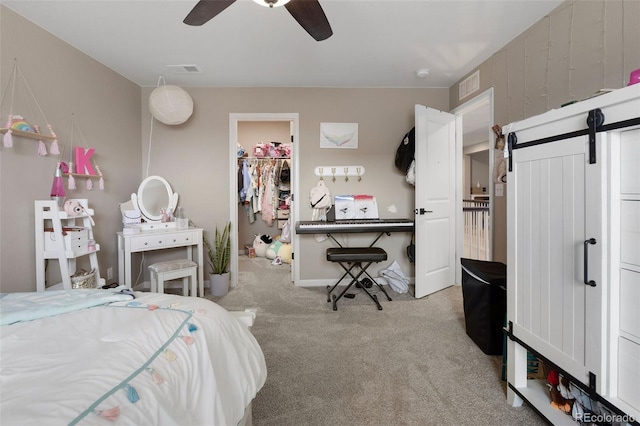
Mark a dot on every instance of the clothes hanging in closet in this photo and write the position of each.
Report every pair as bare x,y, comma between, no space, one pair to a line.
259,187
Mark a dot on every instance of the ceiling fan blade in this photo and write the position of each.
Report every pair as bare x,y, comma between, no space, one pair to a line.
205,10
311,17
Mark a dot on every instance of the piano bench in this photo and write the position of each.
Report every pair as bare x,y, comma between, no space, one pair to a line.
349,258
356,254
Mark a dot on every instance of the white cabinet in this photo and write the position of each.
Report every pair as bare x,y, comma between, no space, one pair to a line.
624,266
573,250
64,238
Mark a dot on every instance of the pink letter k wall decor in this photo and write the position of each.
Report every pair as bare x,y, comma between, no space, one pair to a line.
83,161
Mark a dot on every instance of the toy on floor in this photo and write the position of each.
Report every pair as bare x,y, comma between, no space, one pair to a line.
261,243
285,252
556,384
279,249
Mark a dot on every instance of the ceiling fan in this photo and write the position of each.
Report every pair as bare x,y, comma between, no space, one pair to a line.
308,13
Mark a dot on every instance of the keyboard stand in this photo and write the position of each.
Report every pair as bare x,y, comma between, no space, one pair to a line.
350,258
355,256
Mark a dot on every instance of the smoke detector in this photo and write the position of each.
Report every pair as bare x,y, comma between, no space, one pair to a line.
422,73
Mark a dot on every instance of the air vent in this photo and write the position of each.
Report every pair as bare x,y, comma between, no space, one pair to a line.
469,85
184,69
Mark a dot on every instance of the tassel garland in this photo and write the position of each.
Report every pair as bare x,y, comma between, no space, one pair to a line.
170,355
110,414
132,394
54,145
155,376
89,184
7,139
188,340
72,180
101,181
192,327
42,148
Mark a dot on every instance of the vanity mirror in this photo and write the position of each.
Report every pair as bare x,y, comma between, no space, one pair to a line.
154,194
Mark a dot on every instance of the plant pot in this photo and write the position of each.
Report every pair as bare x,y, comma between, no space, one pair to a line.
219,283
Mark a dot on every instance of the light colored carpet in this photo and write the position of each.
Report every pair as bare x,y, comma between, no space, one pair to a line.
409,364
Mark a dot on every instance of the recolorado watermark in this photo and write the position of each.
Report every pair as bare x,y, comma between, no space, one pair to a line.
605,418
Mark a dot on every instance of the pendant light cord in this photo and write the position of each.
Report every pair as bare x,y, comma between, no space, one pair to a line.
160,79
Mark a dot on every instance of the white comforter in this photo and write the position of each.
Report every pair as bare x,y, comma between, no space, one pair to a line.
156,360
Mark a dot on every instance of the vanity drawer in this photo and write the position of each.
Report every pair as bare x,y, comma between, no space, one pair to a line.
161,240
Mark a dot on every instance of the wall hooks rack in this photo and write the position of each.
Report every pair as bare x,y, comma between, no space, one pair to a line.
340,172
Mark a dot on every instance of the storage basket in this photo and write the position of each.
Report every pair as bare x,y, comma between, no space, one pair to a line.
84,279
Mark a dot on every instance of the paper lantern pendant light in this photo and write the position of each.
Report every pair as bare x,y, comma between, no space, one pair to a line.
170,104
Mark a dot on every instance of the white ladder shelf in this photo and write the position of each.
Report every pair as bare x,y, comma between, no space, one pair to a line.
48,212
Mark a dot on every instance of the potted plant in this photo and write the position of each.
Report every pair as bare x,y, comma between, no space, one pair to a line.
218,257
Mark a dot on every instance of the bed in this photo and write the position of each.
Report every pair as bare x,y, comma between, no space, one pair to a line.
101,356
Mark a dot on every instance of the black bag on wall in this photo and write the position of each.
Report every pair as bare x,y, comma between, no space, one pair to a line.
406,151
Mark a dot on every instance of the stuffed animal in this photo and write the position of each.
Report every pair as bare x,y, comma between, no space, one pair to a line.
279,249
261,243
285,253
272,250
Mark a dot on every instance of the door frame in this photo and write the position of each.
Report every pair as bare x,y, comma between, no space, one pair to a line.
485,97
234,118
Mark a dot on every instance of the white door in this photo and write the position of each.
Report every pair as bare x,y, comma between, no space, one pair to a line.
435,202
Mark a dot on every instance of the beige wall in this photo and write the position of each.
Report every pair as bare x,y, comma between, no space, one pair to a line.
194,157
107,109
579,48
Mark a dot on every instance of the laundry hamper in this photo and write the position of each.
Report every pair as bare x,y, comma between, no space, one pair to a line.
484,293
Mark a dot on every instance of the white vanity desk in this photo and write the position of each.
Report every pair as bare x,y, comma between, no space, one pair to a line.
154,197
159,240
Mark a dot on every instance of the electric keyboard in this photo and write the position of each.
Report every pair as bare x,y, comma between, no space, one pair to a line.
354,226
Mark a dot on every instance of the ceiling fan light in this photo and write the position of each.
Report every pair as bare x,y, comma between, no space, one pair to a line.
271,3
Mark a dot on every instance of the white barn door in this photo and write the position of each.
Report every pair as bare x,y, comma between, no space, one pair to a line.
554,199
435,199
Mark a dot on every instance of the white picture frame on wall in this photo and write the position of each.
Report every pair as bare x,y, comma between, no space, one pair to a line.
339,135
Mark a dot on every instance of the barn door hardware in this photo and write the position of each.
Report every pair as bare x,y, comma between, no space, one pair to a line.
512,140
587,281
595,120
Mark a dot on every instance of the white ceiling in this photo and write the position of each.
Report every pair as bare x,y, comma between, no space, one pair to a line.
375,43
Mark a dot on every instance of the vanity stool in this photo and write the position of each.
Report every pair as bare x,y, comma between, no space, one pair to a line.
355,257
171,270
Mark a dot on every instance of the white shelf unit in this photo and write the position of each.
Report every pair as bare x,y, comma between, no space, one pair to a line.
573,252
49,216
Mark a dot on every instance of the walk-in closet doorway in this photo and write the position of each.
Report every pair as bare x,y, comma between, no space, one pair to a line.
246,130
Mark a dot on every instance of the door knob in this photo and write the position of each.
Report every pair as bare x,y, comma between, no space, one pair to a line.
422,211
